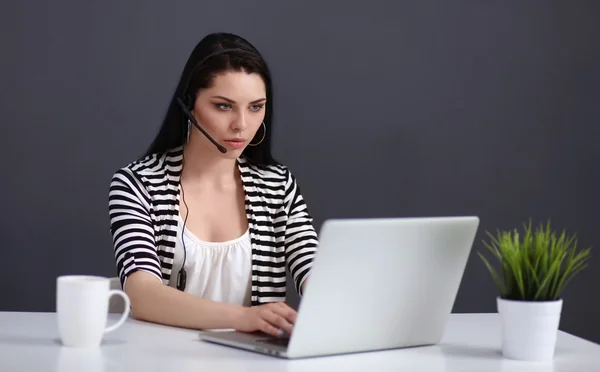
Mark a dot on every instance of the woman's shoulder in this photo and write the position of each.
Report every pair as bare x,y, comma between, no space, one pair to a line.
155,163
268,173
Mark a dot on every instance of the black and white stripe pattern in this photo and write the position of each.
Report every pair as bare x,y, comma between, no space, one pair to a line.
144,205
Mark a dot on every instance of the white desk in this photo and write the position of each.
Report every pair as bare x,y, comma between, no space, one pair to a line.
29,342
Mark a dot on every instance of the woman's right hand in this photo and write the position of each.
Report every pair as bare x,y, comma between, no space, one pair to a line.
275,318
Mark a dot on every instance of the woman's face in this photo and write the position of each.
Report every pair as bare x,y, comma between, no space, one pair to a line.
231,111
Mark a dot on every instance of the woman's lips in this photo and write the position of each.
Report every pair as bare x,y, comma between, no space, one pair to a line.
236,143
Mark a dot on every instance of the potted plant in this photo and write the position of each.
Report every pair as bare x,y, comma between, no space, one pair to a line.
535,269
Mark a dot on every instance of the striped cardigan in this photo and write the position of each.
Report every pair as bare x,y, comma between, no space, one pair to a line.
143,206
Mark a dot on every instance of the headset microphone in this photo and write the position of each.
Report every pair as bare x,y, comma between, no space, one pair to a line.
191,118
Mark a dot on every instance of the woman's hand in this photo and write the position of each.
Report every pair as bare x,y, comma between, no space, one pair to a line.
274,318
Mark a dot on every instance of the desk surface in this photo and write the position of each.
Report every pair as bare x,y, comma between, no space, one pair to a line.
29,342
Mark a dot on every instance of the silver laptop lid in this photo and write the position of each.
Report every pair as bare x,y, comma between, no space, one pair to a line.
382,283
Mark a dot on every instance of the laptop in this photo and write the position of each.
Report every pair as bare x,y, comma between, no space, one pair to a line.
376,284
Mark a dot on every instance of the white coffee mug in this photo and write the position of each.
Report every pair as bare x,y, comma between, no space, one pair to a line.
82,309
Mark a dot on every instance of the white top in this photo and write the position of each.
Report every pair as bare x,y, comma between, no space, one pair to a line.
219,271
472,342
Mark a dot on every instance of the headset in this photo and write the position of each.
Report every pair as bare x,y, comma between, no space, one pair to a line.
186,103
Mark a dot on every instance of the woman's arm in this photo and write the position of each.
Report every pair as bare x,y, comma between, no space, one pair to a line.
140,274
153,301
158,303
301,239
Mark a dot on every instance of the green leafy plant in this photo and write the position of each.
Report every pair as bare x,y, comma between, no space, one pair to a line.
537,267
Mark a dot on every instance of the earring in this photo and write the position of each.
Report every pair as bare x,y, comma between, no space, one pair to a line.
263,137
189,127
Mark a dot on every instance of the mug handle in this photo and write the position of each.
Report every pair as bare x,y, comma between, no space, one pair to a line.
125,313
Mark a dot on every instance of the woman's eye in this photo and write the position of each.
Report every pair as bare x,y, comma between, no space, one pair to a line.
256,107
223,106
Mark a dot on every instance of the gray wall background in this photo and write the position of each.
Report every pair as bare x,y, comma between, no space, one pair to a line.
464,107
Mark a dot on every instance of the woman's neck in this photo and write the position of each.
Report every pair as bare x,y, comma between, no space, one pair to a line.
203,166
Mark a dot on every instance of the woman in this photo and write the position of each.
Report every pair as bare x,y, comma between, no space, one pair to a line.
205,225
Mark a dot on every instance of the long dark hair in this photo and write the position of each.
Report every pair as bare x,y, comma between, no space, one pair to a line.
208,59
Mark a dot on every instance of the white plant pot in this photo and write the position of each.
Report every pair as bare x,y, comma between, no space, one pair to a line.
529,328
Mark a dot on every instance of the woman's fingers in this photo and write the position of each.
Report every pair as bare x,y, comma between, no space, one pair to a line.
286,312
278,321
275,319
267,328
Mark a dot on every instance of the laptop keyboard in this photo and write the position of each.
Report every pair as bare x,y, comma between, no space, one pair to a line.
277,341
